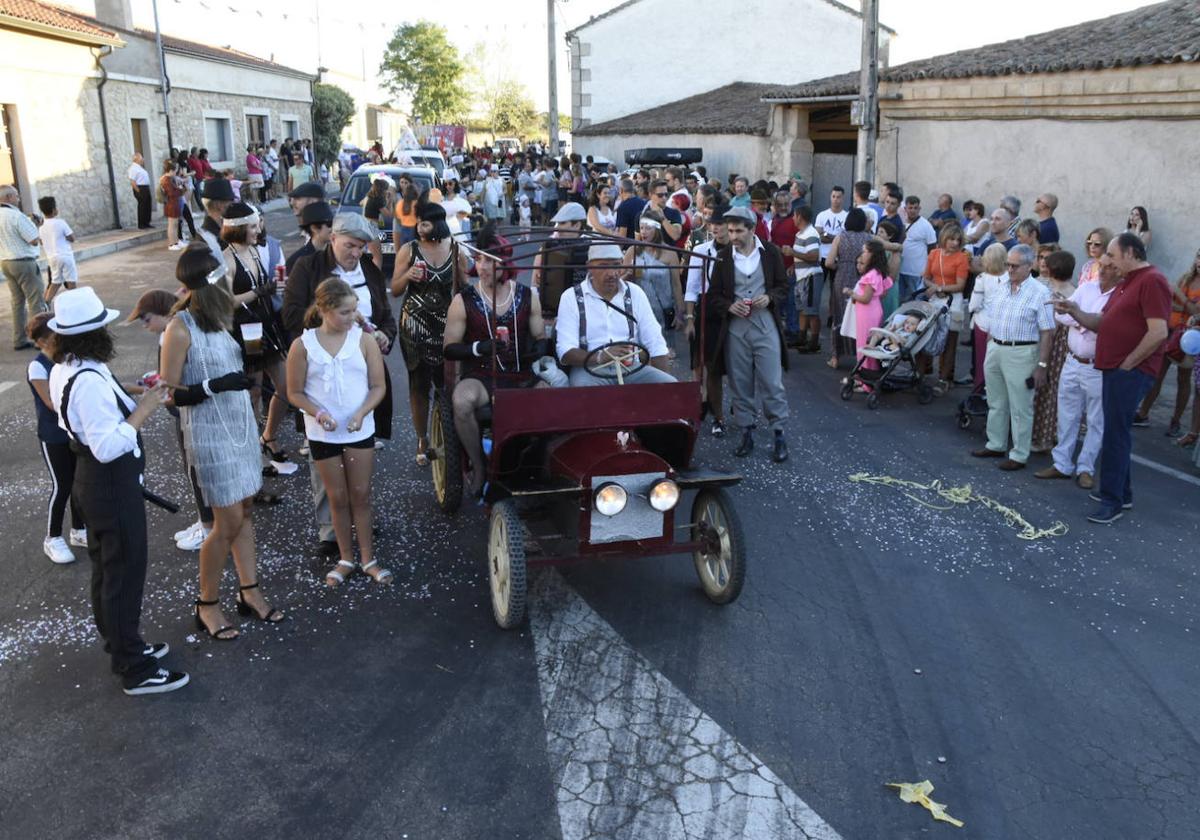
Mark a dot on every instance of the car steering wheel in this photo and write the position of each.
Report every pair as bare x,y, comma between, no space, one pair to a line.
616,360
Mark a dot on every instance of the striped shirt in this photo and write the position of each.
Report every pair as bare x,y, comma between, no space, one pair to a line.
16,232
808,241
1020,315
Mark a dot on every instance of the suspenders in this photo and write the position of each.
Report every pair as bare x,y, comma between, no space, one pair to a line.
66,401
628,313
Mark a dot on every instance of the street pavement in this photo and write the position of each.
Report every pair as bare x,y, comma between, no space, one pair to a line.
1046,688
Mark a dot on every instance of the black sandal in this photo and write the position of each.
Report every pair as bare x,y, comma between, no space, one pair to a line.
262,497
221,634
273,615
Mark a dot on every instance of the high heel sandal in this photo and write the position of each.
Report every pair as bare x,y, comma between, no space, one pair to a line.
221,634
382,576
422,453
279,464
273,615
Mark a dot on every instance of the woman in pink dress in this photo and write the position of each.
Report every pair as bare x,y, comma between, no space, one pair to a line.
867,297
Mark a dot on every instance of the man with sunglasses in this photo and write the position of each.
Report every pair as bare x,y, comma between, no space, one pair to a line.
1021,329
673,226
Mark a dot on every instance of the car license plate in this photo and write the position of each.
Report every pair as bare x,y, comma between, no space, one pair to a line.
387,247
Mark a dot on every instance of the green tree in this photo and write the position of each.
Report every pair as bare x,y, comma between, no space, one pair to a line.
332,110
420,61
564,121
510,111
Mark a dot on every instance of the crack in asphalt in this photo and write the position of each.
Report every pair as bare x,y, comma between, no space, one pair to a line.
631,755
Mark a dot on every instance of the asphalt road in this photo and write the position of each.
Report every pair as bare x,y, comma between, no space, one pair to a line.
1045,688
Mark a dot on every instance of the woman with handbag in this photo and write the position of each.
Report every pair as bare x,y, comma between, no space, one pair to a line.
946,273
257,325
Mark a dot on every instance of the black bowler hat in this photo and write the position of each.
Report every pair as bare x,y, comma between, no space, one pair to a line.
309,189
217,189
317,213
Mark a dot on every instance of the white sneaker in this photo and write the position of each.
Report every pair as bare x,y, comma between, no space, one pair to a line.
186,532
79,537
193,541
56,549
178,246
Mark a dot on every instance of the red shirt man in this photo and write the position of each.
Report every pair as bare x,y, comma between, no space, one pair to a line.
782,228
1144,294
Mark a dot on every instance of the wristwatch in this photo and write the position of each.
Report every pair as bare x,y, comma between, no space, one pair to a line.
1043,365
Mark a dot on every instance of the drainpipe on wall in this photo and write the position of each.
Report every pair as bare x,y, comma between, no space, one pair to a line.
162,75
104,52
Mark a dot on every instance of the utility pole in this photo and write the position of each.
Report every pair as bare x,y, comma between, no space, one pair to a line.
553,99
162,76
868,93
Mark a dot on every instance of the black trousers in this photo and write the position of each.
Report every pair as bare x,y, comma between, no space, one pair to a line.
111,498
188,220
142,194
60,460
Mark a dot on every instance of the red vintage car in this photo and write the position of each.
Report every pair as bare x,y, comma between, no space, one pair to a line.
593,473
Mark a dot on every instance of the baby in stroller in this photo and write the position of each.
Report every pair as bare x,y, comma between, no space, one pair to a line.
900,333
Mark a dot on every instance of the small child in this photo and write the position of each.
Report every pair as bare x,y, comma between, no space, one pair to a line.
525,215
335,376
56,449
905,330
57,236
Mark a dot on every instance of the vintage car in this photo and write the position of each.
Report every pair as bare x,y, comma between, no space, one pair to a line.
593,473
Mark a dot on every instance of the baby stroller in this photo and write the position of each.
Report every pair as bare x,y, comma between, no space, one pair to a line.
897,353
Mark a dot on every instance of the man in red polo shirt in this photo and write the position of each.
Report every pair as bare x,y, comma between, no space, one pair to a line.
781,229
1129,348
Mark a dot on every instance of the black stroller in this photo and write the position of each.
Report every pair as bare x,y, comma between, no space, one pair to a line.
897,352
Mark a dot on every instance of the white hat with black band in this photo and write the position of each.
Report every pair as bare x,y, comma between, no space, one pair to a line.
78,311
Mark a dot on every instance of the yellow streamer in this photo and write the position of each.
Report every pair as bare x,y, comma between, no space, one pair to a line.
918,792
964,495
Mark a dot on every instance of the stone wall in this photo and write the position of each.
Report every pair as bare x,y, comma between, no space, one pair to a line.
51,87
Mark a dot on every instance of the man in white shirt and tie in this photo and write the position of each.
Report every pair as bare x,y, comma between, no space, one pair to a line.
139,179
603,310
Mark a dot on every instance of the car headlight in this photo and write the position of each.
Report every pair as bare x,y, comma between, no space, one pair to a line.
610,499
664,495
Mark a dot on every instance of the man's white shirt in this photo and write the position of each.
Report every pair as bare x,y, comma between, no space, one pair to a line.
607,324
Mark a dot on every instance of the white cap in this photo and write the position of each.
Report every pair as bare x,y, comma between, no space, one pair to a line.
604,251
570,212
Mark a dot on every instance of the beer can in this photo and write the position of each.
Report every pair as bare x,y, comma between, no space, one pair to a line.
502,334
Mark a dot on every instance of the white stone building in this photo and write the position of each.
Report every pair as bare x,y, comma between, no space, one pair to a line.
642,53
79,94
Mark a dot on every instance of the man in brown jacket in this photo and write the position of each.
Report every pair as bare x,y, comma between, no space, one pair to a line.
748,292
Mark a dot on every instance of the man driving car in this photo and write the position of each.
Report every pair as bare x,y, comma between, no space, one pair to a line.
605,310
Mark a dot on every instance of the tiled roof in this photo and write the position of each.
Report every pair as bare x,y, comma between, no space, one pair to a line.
30,14
734,109
1163,33
178,45
621,6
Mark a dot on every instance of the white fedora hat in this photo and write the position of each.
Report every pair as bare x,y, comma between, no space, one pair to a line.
80,310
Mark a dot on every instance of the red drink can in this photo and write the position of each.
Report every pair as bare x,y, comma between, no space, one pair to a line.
748,301
502,334
150,379
424,269
281,274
